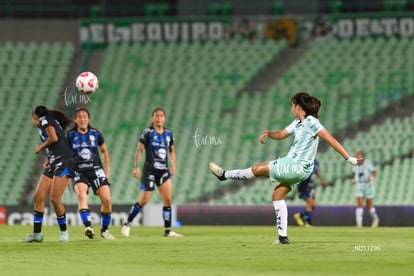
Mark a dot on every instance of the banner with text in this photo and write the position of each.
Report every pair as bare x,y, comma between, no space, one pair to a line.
99,33
362,27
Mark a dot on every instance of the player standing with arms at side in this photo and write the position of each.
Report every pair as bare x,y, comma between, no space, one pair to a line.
306,190
364,174
86,141
51,124
158,143
298,164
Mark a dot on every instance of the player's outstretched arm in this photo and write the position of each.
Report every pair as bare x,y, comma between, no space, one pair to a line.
274,134
326,136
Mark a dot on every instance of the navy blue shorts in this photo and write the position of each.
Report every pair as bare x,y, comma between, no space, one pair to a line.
149,181
94,178
48,173
306,190
63,167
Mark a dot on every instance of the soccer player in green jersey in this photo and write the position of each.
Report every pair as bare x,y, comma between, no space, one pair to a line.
298,164
364,174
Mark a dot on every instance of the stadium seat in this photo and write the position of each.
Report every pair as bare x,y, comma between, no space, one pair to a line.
30,71
178,77
200,85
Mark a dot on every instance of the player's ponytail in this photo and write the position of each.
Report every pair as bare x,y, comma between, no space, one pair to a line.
59,116
308,103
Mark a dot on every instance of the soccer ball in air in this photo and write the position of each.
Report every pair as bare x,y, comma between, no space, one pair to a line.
87,82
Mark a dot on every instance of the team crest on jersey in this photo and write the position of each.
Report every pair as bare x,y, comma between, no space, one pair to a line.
162,153
85,154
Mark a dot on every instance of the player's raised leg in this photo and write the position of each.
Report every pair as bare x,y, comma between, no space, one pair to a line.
261,169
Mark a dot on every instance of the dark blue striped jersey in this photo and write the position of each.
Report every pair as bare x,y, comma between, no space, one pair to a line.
60,149
86,145
156,149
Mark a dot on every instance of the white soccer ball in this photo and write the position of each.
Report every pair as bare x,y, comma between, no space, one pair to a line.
87,82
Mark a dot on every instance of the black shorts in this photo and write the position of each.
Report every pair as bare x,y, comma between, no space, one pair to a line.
306,190
149,181
94,178
48,173
63,167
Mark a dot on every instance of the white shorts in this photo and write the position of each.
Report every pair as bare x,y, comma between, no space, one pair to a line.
289,170
365,190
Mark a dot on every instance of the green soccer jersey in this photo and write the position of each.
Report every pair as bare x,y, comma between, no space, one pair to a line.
305,142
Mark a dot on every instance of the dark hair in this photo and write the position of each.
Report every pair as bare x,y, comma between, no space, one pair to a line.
79,109
40,111
158,109
155,110
308,103
59,116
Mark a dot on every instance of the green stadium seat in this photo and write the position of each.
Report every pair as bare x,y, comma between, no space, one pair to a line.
37,60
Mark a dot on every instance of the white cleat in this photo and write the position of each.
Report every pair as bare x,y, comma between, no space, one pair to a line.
375,223
106,235
217,171
173,235
64,236
125,229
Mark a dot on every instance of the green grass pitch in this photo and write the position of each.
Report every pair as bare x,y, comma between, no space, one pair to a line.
211,250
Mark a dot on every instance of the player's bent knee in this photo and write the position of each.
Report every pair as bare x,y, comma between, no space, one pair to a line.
55,201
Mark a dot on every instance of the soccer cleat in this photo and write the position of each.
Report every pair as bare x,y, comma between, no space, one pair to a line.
106,235
217,171
35,237
298,219
64,236
307,224
89,232
375,223
173,235
125,229
282,240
